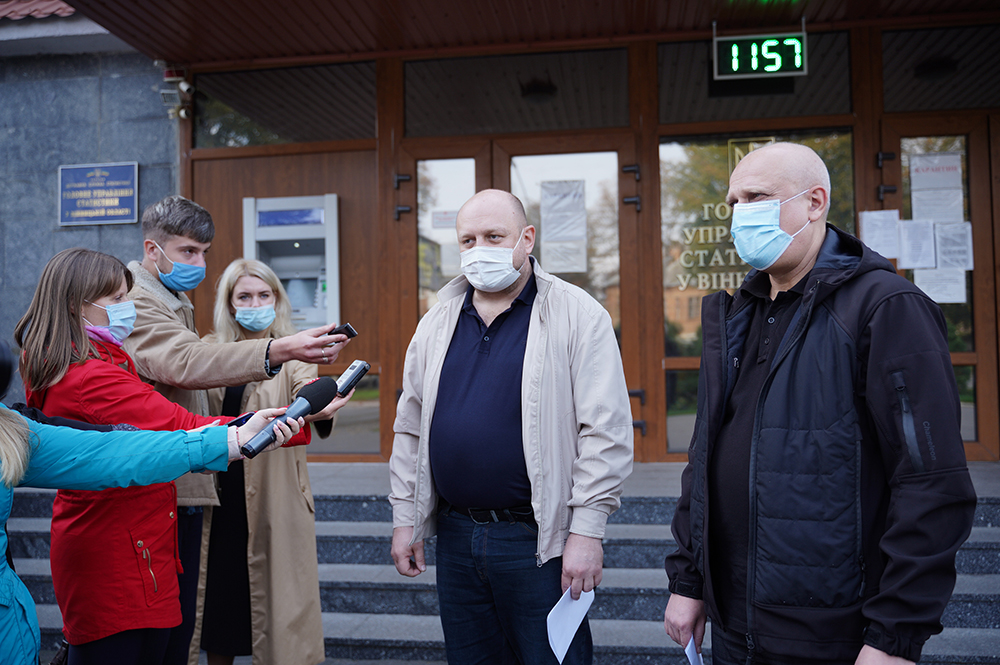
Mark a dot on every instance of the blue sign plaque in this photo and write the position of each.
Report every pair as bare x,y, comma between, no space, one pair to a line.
98,194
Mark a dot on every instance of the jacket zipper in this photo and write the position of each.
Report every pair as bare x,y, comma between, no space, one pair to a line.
858,518
909,428
543,335
149,564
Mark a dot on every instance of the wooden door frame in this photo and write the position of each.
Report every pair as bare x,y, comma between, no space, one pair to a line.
975,126
650,447
410,152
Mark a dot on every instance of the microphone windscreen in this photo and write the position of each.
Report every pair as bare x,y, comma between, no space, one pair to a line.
319,393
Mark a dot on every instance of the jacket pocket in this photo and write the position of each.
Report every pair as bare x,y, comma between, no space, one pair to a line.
909,426
154,543
302,476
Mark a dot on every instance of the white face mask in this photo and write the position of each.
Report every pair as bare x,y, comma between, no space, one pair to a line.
491,269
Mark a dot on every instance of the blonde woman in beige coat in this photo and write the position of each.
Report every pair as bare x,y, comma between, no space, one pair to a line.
278,618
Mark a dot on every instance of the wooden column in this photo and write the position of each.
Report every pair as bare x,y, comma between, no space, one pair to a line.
396,284
648,376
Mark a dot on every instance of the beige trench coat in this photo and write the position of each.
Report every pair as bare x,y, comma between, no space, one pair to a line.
285,613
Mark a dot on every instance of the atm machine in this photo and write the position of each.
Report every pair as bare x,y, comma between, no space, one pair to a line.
298,237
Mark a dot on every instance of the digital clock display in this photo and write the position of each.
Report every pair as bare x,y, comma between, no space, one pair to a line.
760,56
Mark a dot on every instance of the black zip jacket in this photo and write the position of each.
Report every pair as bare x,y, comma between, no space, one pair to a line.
859,492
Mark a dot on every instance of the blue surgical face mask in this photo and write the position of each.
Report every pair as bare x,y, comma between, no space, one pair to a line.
121,321
255,318
181,277
757,233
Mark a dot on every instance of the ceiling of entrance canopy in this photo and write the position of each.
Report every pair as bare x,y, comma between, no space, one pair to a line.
235,33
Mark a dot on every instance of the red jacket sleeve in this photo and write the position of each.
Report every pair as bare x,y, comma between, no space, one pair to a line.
108,394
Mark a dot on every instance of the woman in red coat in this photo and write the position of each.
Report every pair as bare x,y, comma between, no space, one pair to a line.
113,552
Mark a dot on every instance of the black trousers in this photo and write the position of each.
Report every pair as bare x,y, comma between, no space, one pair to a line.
189,522
731,649
143,646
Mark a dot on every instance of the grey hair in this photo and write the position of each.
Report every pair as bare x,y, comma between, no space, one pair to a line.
177,216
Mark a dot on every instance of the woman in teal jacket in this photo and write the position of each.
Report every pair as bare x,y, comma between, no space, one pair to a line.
38,455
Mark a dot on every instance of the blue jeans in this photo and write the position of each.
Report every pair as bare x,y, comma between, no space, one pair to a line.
493,596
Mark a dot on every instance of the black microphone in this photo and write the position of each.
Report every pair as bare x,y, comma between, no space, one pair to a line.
311,399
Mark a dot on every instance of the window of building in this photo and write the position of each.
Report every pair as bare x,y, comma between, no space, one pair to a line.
290,105
517,93
948,68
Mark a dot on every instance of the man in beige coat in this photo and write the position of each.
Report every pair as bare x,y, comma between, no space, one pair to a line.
170,355
513,437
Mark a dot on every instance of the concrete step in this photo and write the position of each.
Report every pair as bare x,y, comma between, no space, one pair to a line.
659,510
625,545
629,594
358,638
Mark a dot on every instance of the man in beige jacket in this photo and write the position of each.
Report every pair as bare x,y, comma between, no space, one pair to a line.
513,437
170,355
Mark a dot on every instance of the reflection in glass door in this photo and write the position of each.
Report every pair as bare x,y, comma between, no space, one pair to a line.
572,201
443,185
698,254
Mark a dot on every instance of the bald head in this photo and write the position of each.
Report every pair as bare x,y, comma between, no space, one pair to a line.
795,164
501,206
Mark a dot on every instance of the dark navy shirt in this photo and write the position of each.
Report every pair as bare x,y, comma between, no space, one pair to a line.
476,450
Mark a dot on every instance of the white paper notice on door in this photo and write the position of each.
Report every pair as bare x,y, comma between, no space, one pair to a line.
564,226
939,205
936,170
916,244
954,245
878,231
945,285
443,219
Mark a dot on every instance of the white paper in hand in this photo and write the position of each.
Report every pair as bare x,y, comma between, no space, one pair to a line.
564,620
692,653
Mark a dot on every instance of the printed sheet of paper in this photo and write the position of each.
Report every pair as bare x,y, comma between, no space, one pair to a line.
878,231
939,205
954,245
565,618
944,285
936,186
443,219
916,244
936,170
564,226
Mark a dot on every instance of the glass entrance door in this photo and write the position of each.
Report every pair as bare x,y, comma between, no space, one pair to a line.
940,185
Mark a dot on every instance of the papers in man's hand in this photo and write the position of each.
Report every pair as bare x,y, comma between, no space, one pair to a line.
692,653
565,618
